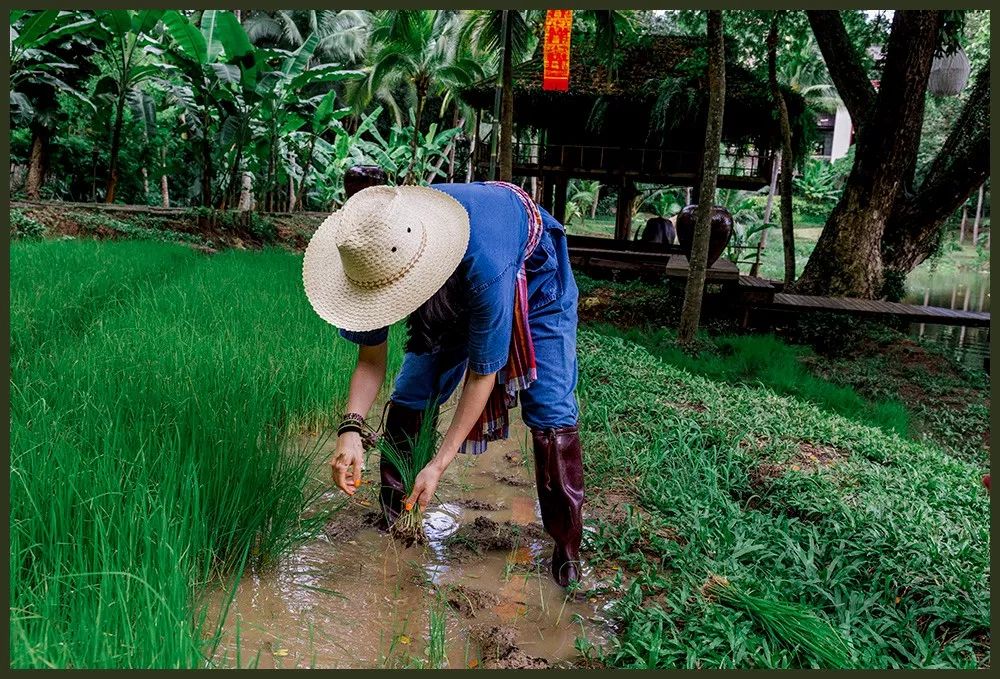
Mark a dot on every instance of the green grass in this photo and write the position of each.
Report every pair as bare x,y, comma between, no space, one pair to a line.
888,539
152,393
766,361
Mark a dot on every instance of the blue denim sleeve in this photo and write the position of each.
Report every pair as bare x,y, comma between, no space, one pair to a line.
368,338
490,324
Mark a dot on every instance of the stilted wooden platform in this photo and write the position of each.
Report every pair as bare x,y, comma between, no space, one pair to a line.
749,294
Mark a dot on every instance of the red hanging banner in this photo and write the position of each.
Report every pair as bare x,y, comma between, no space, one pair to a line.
558,28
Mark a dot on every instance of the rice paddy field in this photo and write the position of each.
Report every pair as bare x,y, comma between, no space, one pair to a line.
155,392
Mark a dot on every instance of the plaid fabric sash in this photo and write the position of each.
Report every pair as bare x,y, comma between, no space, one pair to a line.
520,371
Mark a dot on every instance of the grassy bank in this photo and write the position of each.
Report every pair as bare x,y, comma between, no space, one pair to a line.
152,389
689,477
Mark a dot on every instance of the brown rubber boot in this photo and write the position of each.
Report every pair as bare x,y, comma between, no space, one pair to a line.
559,476
402,425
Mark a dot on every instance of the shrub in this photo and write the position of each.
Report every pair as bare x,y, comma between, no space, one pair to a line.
24,227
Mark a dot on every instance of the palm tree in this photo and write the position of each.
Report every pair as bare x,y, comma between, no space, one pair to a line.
412,49
507,33
343,33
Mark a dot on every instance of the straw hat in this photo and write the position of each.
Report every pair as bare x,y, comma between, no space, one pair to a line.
383,254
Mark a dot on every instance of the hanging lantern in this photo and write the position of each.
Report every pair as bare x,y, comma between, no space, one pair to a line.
558,29
949,73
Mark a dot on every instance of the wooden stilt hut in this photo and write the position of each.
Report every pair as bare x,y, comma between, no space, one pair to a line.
641,121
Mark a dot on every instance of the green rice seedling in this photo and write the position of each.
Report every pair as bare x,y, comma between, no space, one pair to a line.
152,392
409,525
794,625
437,624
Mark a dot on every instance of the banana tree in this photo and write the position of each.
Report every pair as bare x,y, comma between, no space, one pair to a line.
405,160
281,108
333,159
129,60
42,43
218,63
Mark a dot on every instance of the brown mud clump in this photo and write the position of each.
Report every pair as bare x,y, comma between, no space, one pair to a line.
468,601
514,481
485,535
499,652
477,505
344,526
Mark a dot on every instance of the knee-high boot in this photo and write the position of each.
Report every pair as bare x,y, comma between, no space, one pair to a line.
402,425
559,476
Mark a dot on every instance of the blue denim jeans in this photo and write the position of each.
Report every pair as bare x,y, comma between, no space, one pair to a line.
550,401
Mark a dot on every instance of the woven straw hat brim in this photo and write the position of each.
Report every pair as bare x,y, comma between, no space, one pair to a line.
347,306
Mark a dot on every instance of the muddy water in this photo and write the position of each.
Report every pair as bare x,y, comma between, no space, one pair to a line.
360,600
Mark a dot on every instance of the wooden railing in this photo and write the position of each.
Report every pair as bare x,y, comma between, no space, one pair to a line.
627,159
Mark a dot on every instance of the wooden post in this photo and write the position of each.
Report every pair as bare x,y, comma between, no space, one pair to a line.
623,210
561,188
979,214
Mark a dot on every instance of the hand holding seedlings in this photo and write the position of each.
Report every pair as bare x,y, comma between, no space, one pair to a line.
347,462
424,486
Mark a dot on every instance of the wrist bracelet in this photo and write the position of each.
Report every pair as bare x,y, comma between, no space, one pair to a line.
348,426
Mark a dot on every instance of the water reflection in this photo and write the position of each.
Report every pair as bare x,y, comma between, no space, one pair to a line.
962,290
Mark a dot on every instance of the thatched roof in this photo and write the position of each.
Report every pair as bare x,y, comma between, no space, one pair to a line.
657,96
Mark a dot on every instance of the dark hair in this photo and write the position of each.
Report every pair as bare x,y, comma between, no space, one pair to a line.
442,321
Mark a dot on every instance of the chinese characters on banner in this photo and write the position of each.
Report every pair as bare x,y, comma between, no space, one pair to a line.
558,28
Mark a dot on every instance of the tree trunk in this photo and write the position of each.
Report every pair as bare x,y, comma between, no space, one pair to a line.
246,193
164,191
788,159
145,184
116,144
507,105
597,199
457,122
693,293
164,184
913,229
206,158
961,228
411,171
305,172
979,216
37,163
847,260
470,169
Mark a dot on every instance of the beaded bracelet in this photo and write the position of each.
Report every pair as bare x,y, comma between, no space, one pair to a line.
352,422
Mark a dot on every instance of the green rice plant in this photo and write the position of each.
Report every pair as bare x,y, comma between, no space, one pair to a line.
152,393
437,655
796,626
409,525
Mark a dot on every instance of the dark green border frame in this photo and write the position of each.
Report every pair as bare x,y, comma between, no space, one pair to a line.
402,4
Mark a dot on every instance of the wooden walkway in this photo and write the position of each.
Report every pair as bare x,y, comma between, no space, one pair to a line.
867,307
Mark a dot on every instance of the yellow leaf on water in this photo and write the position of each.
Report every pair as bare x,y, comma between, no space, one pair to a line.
281,652
403,639
898,599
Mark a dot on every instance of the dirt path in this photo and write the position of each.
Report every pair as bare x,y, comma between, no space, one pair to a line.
356,599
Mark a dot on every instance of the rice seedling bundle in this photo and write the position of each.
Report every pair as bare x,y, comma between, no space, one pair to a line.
409,525
790,624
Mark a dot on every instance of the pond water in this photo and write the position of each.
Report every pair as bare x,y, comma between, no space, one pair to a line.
968,290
